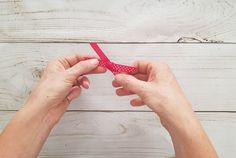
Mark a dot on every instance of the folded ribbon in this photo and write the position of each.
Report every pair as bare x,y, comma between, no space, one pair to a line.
113,67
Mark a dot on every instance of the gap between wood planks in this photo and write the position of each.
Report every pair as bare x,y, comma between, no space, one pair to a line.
197,111
101,42
74,42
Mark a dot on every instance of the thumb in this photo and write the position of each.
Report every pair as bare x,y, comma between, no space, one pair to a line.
131,83
83,67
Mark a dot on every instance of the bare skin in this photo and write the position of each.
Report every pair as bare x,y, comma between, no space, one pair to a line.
156,86
62,82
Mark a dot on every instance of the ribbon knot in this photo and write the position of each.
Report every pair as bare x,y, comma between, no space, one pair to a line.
113,67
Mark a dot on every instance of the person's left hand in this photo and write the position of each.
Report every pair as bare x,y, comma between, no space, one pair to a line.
60,84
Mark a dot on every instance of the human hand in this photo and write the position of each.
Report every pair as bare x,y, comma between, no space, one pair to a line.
61,83
157,87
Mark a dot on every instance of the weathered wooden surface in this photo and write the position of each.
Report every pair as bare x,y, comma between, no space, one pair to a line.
127,134
206,72
118,21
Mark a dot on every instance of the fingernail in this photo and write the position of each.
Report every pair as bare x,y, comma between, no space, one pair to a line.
86,84
93,61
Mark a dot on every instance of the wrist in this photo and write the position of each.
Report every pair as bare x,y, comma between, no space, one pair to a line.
50,105
182,120
30,129
172,109
179,123
37,114
38,99
175,115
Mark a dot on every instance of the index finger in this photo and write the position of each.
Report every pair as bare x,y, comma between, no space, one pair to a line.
143,66
98,70
70,60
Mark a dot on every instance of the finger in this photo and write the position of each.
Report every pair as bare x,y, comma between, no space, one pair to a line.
123,92
85,82
143,66
70,60
137,102
74,93
142,77
83,67
138,76
115,84
78,82
131,83
98,70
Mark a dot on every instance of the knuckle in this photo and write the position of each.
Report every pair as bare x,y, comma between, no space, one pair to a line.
164,66
144,90
126,82
52,63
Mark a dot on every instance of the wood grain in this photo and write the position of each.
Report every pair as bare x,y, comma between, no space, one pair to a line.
99,124
118,21
127,134
206,72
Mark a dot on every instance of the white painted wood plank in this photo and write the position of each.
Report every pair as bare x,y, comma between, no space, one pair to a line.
206,72
123,20
127,134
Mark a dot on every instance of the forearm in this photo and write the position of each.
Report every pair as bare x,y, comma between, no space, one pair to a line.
25,134
188,136
61,83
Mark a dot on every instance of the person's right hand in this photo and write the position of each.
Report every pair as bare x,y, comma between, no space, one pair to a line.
157,87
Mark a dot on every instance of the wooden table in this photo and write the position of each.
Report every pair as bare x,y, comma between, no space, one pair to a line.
197,38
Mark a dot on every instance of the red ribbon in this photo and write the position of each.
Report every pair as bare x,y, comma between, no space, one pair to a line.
113,67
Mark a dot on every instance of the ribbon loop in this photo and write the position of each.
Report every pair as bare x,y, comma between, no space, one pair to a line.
113,67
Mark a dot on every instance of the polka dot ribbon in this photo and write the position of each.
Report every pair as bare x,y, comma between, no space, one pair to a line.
113,67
